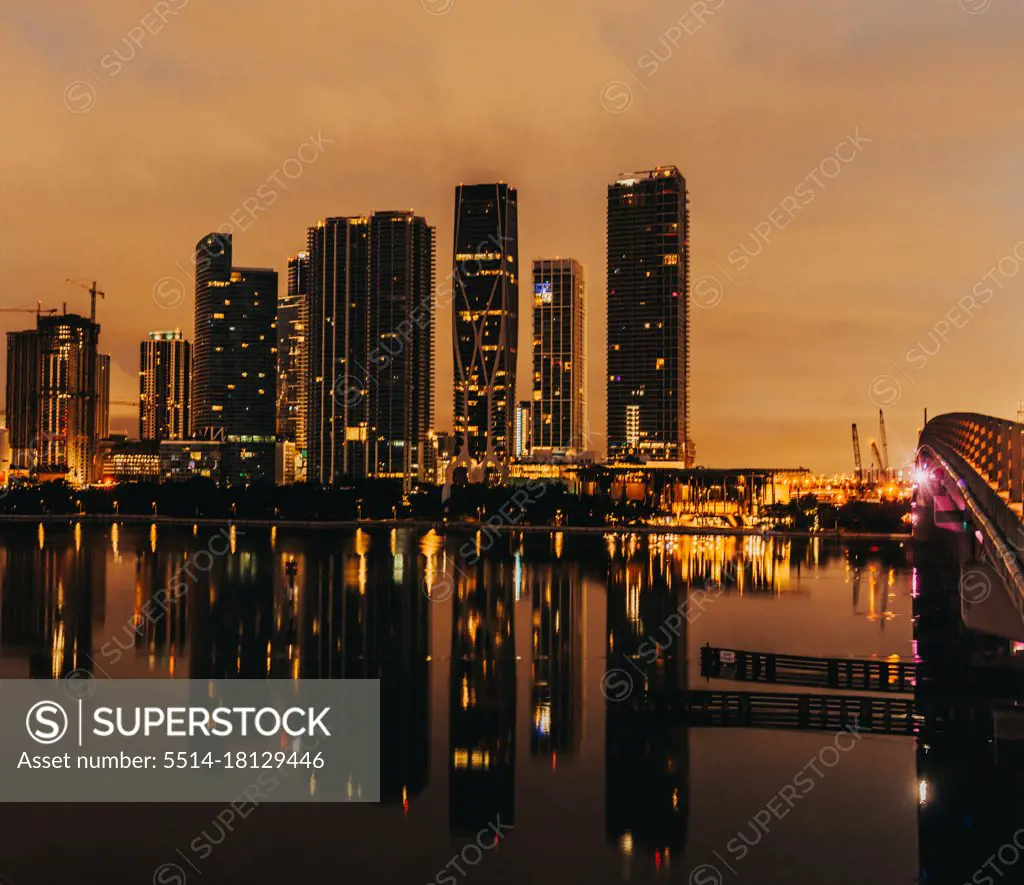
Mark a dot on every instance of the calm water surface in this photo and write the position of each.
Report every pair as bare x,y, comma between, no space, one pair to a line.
494,701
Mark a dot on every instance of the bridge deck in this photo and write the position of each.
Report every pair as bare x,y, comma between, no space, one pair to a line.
744,709
861,713
837,673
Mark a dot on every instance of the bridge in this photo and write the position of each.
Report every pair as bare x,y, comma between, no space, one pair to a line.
970,484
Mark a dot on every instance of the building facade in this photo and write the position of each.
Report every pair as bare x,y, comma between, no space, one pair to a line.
400,360
66,437
559,342
523,435
235,361
293,354
649,317
371,339
485,284
22,402
102,396
165,378
338,414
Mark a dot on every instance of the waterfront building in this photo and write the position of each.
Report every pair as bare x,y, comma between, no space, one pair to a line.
371,338
235,361
559,341
485,282
293,354
65,441
338,415
102,396
649,317
22,402
165,369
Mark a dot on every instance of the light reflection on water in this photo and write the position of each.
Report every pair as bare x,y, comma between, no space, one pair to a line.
492,693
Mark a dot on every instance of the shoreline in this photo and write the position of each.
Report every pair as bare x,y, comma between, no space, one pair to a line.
442,526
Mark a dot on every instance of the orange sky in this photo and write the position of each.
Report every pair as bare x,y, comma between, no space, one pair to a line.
131,128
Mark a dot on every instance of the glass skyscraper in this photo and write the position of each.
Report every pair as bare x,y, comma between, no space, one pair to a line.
235,360
649,317
338,415
559,370
485,310
165,369
293,354
371,342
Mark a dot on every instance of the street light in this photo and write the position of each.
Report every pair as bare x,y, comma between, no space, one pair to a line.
154,508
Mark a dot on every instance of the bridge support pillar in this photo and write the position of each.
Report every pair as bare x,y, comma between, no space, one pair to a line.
984,604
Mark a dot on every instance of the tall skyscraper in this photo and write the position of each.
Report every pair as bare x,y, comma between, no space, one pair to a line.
213,270
235,360
649,317
102,396
293,354
165,377
22,396
485,314
338,416
559,342
400,359
66,436
371,334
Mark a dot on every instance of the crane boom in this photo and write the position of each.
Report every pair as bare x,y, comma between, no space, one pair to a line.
885,442
856,453
93,292
877,456
38,310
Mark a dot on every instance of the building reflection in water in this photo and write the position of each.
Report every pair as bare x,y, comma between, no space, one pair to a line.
53,592
647,753
482,706
515,673
556,606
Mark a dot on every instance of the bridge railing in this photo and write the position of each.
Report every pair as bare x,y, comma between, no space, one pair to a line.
985,456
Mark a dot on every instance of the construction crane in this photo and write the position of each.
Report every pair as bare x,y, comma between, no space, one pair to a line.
856,454
885,442
877,457
93,292
38,310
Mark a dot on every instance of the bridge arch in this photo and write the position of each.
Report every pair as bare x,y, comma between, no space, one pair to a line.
970,480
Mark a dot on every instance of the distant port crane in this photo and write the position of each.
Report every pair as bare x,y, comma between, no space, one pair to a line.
885,442
856,454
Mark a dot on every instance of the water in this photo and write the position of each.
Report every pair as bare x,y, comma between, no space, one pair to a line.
494,706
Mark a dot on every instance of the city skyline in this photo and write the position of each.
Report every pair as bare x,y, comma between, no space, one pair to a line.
783,358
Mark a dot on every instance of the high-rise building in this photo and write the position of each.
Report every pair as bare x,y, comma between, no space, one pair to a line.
293,354
559,342
338,414
165,373
485,313
400,360
523,430
371,335
66,435
234,376
22,396
102,396
649,317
